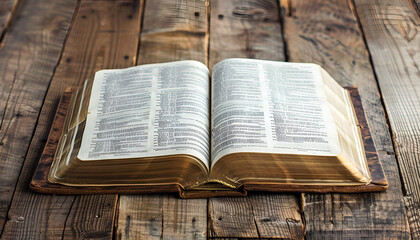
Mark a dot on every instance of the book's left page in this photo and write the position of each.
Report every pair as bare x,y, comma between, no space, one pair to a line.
148,111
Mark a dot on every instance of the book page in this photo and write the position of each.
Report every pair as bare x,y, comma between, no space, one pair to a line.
270,107
149,110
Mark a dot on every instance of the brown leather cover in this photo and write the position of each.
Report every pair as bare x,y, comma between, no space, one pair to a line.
40,183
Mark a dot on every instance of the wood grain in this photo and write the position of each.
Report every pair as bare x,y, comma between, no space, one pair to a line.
327,33
27,61
91,217
250,29
172,30
277,215
7,11
184,219
260,215
140,217
231,217
103,35
394,45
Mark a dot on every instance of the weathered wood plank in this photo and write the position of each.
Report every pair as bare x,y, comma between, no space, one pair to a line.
260,215
27,61
184,218
7,10
277,215
103,35
161,216
250,29
172,30
327,33
140,217
91,217
231,217
392,31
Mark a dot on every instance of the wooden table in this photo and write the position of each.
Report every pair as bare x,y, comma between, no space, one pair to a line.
47,46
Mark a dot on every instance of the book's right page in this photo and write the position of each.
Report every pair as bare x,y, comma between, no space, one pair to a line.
277,107
284,108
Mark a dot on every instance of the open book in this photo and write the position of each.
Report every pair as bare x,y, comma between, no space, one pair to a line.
249,122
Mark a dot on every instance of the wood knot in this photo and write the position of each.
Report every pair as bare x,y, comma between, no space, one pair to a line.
292,220
404,24
250,13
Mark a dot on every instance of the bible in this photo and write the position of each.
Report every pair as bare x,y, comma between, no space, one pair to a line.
249,125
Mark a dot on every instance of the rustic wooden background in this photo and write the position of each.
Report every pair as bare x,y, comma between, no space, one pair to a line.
49,45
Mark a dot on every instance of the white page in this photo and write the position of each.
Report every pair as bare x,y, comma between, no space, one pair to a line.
149,110
270,107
